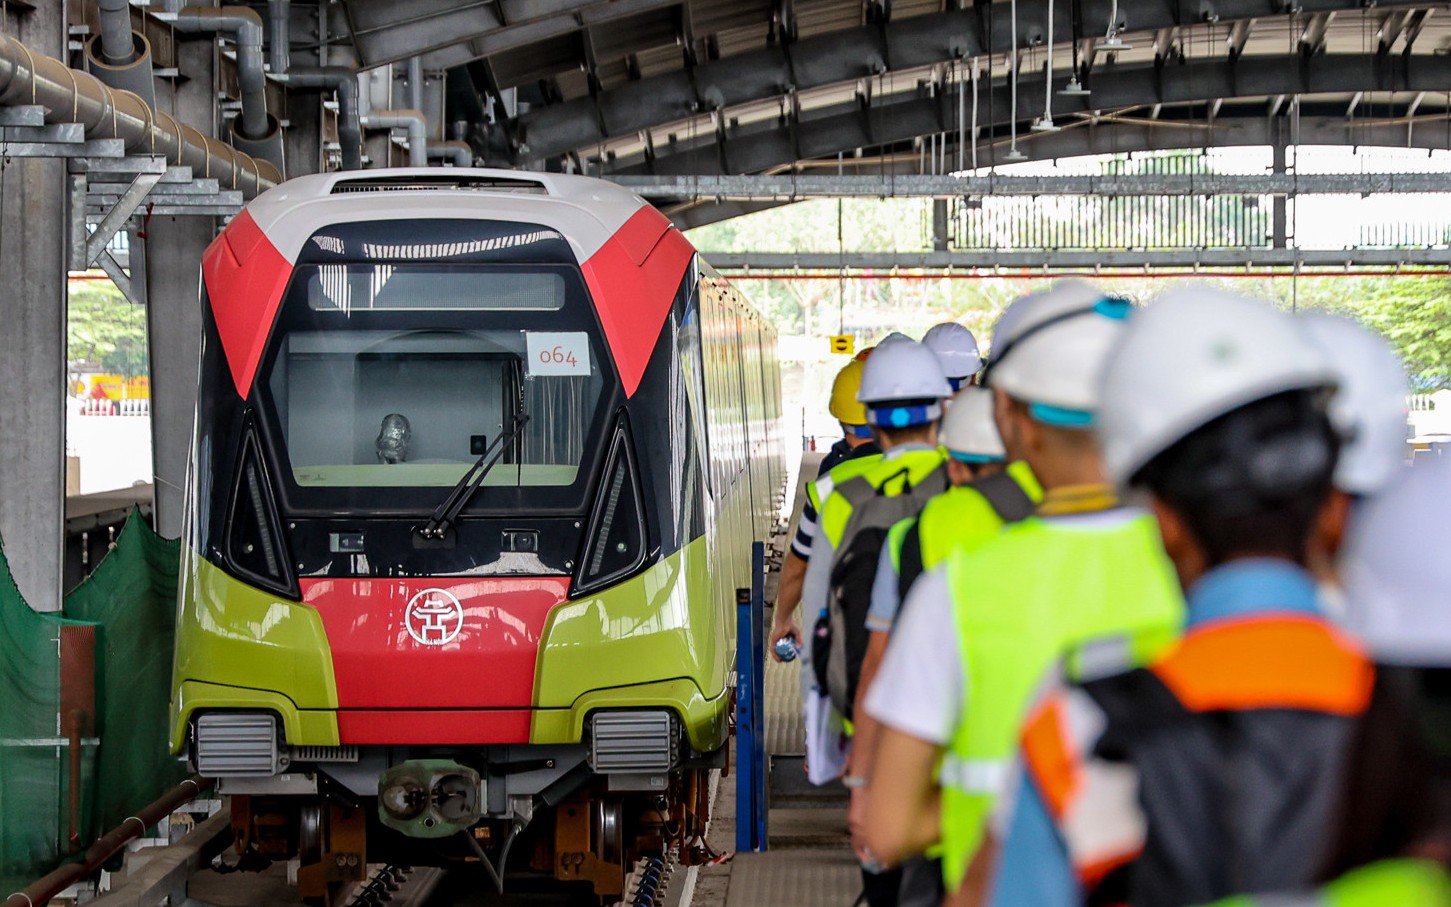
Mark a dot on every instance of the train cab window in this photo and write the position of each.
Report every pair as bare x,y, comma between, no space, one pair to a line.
388,378
254,544
616,540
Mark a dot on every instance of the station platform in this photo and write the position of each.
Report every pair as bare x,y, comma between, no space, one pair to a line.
808,860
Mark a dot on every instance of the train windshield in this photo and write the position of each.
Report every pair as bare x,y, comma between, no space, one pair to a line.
387,381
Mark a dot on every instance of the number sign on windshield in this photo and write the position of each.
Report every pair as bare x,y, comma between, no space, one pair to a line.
549,353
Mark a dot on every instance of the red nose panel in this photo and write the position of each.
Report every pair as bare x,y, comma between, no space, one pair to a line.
245,276
434,644
633,278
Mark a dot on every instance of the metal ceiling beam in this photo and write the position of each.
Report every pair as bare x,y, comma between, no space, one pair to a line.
922,39
829,59
794,187
1006,261
906,115
1112,137
1312,39
459,47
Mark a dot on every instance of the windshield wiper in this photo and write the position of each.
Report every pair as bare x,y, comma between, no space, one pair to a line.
438,524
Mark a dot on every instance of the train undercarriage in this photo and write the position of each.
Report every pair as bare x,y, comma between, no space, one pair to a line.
513,811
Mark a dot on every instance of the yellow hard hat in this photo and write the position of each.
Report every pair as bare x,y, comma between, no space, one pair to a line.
844,404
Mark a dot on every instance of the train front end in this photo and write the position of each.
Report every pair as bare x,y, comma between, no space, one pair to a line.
445,567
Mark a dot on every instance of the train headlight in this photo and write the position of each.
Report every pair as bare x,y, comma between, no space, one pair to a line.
404,799
430,798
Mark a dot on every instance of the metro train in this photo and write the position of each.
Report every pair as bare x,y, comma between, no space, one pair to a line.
479,460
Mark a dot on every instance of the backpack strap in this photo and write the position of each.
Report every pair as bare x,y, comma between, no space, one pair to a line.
909,564
1006,497
857,490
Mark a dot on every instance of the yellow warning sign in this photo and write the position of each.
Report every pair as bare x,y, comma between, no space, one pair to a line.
843,343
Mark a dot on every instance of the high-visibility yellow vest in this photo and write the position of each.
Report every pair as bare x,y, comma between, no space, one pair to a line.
892,474
821,489
960,516
1018,602
1402,883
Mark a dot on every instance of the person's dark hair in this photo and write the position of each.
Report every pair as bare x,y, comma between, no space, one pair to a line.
904,435
1252,481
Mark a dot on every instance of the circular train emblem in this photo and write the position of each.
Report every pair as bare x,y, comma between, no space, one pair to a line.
434,617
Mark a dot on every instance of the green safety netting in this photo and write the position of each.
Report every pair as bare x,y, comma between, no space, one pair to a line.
130,602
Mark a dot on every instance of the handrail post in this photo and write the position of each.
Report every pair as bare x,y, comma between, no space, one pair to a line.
750,704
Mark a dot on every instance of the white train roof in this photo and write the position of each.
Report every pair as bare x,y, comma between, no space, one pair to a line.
585,210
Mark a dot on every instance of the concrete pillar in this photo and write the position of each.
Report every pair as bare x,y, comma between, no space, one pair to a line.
33,205
173,256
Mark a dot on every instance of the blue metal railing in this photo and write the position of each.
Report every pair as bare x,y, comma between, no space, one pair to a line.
750,707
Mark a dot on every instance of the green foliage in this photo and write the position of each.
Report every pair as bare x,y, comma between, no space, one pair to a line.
1412,312
105,330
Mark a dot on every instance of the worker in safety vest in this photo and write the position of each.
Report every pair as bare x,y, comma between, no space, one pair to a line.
1369,412
1224,754
852,454
1393,844
903,389
977,633
986,492
957,352
851,415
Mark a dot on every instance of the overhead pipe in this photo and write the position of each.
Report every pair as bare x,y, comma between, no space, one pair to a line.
415,82
461,152
117,48
70,96
344,82
118,56
416,124
279,39
245,27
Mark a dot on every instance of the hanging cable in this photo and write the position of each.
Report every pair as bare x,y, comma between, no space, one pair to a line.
1045,122
1013,153
975,68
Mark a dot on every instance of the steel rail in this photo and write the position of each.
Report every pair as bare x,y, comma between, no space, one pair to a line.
108,845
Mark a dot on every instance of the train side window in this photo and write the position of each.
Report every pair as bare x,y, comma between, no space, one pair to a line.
254,545
615,543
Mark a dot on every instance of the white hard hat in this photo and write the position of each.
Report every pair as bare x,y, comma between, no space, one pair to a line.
1050,348
1188,359
903,371
894,337
1395,582
968,430
956,349
1369,406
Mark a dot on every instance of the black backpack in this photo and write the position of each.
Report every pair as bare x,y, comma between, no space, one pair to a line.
839,640
1004,495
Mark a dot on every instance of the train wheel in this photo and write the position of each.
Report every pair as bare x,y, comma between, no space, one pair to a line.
583,832
337,838
609,831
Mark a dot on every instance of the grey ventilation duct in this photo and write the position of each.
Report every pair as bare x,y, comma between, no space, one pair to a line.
279,21
416,124
345,82
118,56
461,152
115,37
27,77
255,130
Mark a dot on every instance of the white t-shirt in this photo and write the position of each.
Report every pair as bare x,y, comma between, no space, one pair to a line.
920,689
